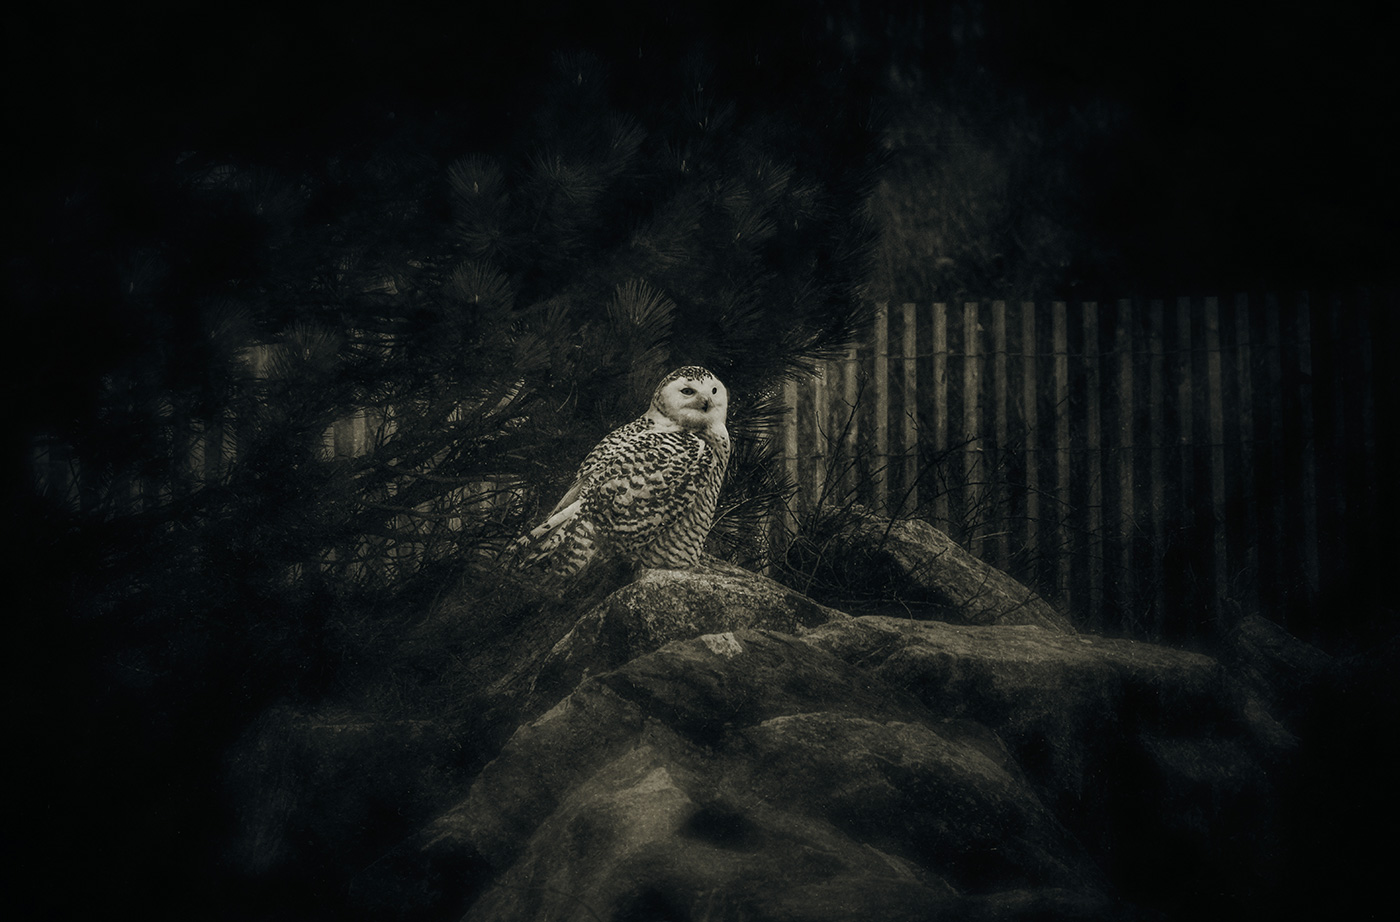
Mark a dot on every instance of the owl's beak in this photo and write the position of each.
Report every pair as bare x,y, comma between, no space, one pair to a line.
704,404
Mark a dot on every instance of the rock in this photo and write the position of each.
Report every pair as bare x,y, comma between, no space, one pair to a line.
922,564
1047,694
1281,675
1141,750
750,775
665,605
711,744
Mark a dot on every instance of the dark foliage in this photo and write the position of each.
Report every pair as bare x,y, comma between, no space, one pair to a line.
301,356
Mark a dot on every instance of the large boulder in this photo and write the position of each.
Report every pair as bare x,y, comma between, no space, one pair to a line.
910,560
749,775
1145,752
1279,676
1074,755
711,744
665,605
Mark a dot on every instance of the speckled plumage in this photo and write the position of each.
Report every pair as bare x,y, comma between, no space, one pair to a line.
646,493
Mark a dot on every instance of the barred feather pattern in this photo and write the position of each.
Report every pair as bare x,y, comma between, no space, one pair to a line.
645,494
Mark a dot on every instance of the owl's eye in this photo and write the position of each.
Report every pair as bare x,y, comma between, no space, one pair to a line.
687,391
714,390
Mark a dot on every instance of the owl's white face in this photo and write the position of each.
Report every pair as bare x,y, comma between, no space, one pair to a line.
692,398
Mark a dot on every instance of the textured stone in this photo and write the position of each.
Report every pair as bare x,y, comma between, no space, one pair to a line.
921,564
749,775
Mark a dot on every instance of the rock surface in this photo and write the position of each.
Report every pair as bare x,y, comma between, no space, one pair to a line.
921,564
709,744
665,605
1131,744
750,775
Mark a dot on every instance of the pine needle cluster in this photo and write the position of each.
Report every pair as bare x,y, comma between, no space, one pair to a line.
344,377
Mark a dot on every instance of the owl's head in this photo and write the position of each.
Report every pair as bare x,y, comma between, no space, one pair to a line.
692,398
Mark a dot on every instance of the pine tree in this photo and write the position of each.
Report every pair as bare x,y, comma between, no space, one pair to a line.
473,315
311,387
633,243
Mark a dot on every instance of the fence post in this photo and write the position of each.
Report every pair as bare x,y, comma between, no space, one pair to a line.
1157,375
1060,358
1093,467
1126,584
997,542
970,442
810,440
1248,546
1031,414
909,406
939,393
881,382
846,418
1271,513
1216,424
788,524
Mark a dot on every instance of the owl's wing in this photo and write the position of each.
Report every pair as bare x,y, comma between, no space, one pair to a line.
634,483
563,542
643,483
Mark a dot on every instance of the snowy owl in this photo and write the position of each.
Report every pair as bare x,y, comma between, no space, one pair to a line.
646,493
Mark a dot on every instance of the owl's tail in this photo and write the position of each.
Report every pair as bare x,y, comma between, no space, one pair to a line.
559,548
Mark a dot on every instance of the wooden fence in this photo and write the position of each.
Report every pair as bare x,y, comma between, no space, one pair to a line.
1156,466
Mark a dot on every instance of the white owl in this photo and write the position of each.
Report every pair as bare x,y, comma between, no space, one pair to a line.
646,493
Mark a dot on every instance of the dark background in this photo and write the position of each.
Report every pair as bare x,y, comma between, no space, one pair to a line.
1178,148
1075,149
1086,149
1237,143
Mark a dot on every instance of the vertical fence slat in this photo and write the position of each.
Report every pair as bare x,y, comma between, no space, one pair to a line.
1178,553
811,451
1093,464
1184,406
882,408
1124,521
909,421
1196,545
1030,414
841,424
1294,537
1247,556
1216,424
788,525
1060,359
1156,404
998,544
974,482
866,470
939,393
1269,424
846,410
